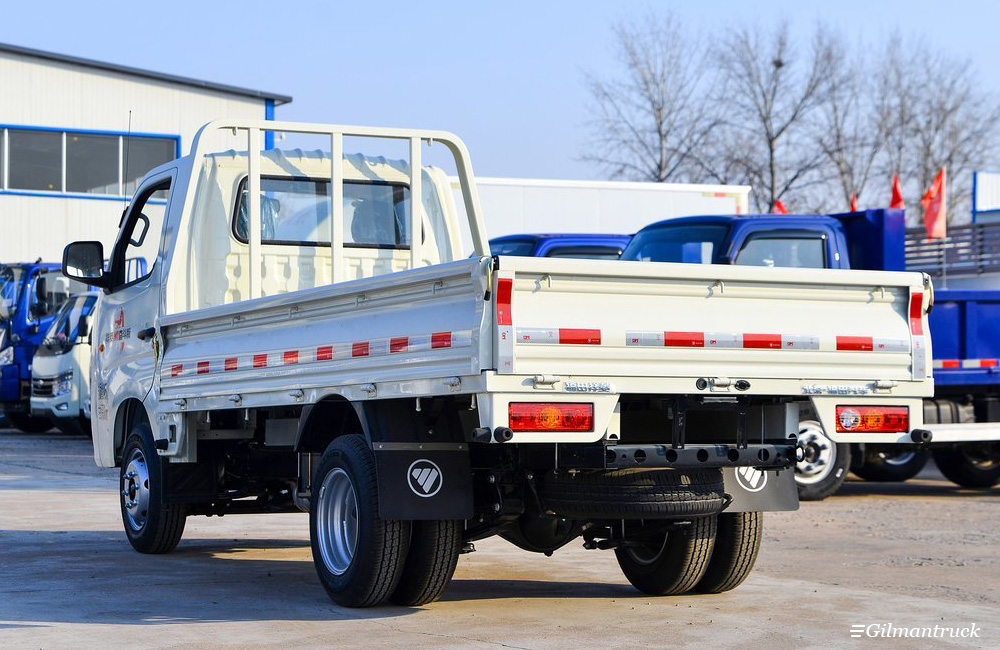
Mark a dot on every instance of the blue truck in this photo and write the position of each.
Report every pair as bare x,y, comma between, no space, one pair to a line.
583,246
964,323
31,295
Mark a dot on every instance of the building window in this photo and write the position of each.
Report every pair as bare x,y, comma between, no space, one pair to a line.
106,164
35,160
91,163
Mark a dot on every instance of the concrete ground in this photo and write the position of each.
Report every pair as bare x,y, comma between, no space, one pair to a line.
913,555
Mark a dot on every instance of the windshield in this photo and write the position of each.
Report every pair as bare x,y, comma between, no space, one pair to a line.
699,244
10,290
65,329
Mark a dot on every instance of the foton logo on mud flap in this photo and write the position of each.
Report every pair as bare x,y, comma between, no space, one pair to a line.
120,333
751,479
424,478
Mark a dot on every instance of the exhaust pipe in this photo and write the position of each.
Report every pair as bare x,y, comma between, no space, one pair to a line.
921,436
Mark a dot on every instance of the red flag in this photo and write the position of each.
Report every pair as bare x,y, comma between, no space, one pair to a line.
897,195
779,208
935,204
854,202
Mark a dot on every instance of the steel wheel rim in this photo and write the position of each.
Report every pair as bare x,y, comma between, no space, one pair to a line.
135,490
337,521
983,458
819,455
648,554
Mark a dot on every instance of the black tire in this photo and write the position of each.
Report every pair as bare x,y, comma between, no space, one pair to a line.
430,562
892,463
634,493
972,465
374,567
673,563
162,524
30,423
816,484
737,543
73,426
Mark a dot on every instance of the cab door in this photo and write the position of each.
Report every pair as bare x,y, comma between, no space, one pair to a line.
124,345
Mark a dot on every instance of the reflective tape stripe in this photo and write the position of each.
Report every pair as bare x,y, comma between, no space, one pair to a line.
204,367
579,337
723,340
856,343
359,349
644,339
440,340
324,353
537,335
916,314
765,341
799,342
684,339
398,344
260,361
291,357
177,370
231,364
505,288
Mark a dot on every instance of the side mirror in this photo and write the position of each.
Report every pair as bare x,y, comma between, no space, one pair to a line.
83,261
83,328
41,288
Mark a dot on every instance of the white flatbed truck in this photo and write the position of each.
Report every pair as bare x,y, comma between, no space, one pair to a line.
295,346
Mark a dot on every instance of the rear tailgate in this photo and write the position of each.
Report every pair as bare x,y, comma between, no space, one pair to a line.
658,328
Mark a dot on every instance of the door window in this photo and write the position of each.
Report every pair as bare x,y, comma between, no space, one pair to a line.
139,240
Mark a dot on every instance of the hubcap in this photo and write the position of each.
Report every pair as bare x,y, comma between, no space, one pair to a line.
337,521
135,490
819,454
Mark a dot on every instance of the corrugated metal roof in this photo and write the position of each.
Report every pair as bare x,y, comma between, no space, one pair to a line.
148,74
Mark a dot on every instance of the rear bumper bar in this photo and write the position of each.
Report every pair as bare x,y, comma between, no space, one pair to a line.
762,456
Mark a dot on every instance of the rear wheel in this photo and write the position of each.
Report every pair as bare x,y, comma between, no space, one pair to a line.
891,463
737,542
669,563
29,423
824,463
430,562
359,556
971,465
151,525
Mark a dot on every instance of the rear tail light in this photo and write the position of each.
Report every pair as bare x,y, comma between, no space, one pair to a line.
544,416
873,419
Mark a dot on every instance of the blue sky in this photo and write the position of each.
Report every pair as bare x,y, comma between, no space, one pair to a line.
507,77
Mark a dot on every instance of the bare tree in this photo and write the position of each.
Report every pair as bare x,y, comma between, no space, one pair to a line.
772,95
855,121
658,113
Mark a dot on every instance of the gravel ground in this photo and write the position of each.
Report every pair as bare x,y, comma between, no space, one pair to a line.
918,554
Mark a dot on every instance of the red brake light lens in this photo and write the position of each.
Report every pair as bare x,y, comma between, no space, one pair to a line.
873,419
545,416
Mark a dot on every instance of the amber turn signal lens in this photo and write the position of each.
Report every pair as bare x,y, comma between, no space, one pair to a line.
544,416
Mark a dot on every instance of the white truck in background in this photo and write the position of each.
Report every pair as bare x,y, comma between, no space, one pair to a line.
537,205
60,371
295,344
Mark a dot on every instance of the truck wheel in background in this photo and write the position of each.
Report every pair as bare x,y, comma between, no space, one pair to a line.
737,542
430,562
824,465
151,525
891,463
359,556
28,423
971,465
670,563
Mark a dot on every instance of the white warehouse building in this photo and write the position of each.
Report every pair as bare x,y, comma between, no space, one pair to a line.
66,135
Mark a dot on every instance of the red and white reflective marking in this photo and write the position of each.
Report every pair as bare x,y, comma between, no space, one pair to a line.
956,364
358,350
561,336
918,347
869,344
749,340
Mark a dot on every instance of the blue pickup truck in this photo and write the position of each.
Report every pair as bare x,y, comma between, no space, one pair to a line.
31,295
965,327
584,246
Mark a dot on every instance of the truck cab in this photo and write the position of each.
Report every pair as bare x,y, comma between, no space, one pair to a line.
581,246
31,295
60,384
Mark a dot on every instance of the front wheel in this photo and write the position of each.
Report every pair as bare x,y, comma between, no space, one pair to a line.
152,526
29,423
824,463
359,556
971,465
892,463
669,563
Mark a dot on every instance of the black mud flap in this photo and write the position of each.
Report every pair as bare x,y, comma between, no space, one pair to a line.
756,490
423,480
